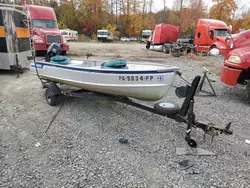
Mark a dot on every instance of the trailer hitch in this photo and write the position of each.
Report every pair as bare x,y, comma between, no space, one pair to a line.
186,115
208,128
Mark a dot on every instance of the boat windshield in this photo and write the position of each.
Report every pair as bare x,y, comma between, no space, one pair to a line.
44,23
221,32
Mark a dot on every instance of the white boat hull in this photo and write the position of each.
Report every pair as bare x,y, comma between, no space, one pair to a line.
138,81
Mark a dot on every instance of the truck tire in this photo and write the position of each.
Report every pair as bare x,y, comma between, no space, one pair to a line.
64,52
165,49
248,90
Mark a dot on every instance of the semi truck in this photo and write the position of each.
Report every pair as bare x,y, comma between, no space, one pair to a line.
105,35
44,28
209,34
165,39
236,67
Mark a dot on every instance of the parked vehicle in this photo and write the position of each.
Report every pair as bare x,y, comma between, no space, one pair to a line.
14,38
145,35
125,39
236,68
165,38
105,36
70,35
44,28
133,39
210,33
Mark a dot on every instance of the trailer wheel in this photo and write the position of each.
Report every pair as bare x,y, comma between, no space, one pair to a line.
248,90
51,99
167,109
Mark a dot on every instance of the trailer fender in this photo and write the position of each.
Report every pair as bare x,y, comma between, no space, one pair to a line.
55,90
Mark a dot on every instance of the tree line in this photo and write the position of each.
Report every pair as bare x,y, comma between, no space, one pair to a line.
130,17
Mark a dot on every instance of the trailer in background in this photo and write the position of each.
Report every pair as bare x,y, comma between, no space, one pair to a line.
14,38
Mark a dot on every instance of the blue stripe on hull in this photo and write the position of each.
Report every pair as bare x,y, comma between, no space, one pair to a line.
41,65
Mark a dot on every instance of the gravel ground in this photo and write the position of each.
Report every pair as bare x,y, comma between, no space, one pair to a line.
81,148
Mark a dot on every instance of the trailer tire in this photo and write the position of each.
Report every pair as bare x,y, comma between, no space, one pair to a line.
167,109
50,98
248,90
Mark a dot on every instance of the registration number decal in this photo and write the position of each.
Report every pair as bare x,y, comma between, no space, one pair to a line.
136,78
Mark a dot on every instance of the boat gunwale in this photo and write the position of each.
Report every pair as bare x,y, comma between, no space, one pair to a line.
164,69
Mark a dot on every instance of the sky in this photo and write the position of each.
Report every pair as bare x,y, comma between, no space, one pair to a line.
158,4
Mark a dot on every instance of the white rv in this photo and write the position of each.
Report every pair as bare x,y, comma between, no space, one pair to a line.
146,34
70,35
105,35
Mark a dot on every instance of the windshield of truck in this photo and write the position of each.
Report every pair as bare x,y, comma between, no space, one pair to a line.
44,23
102,33
221,32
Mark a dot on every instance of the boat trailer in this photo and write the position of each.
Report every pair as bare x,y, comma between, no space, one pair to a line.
184,114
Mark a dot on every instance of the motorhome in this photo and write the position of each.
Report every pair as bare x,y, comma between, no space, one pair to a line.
70,35
105,36
145,35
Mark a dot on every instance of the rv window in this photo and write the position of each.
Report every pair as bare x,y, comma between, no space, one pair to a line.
199,35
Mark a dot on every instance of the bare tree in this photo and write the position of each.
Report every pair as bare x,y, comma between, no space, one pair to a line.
164,5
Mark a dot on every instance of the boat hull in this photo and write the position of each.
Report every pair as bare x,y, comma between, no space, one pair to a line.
149,85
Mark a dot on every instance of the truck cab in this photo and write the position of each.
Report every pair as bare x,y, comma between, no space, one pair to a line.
44,28
236,68
209,34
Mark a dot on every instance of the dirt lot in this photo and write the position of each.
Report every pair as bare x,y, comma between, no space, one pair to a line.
81,148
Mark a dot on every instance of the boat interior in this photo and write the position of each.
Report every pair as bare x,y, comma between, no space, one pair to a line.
111,64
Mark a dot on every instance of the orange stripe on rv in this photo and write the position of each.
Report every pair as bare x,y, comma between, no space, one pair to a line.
22,33
2,32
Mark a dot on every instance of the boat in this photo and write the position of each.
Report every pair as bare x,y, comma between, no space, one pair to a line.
143,81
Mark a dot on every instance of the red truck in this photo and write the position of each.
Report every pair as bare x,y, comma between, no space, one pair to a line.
165,39
210,33
44,28
163,34
236,68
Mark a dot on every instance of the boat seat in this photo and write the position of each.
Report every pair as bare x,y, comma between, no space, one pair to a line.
59,59
115,64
